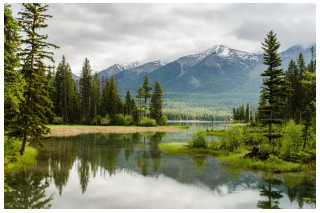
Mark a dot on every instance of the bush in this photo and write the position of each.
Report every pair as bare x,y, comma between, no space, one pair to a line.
163,120
234,138
57,120
292,140
105,121
198,141
148,122
128,120
136,118
96,120
245,135
118,119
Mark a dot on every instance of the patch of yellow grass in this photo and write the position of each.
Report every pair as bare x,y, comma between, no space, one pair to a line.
69,130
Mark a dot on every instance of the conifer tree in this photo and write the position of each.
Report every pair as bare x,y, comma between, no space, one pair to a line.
128,103
156,102
85,89
146,93
95,96
63,86
140,96
114,101
104,98
273,82
13,81
37,103
300,89
307,124
247,113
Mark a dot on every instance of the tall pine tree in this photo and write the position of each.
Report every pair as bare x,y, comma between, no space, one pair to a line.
85,89
32,118
146,93
273,82
156,102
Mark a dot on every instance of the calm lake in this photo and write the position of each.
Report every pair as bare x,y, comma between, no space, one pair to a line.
130,171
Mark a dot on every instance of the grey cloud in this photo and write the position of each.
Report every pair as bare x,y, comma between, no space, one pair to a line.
122,33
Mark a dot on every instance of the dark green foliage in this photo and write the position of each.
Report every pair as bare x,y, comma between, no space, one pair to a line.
85,89
307,124
13,81
156,102
113,99
65,92
129,104
140,96
273,83
136,116
37,104
146,93
198,141
95,96
247,113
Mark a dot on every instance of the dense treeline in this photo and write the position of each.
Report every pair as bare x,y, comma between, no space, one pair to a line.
247,115
90,100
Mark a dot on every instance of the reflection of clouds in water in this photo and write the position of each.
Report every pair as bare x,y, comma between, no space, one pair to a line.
125,190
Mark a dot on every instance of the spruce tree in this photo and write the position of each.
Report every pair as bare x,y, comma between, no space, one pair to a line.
63,86
156,102
140,96
128,103
95,96
247,113
146,93
13,81
32,117
300,89
307,124
273,82
85,89
114,100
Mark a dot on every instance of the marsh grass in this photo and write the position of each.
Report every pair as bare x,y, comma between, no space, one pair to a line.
235,159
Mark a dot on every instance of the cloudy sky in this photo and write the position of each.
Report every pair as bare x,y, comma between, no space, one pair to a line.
125,33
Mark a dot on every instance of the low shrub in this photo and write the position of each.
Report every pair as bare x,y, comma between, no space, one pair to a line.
292,140
57,120
198,141
234,138
163,120
105,121
96,120
148,122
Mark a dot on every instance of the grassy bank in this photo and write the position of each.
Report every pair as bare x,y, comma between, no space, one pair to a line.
71,130
26,160
235,159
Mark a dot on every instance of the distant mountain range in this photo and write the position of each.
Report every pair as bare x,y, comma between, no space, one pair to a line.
216,70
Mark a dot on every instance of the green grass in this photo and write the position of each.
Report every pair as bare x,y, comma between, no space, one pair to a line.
181,127
235,159
273,164
214,133
26,160
178,148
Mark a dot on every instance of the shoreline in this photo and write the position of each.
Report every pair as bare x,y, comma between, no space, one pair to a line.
72,130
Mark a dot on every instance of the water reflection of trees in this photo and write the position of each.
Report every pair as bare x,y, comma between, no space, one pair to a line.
90,152
298,187
272,194
28,190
